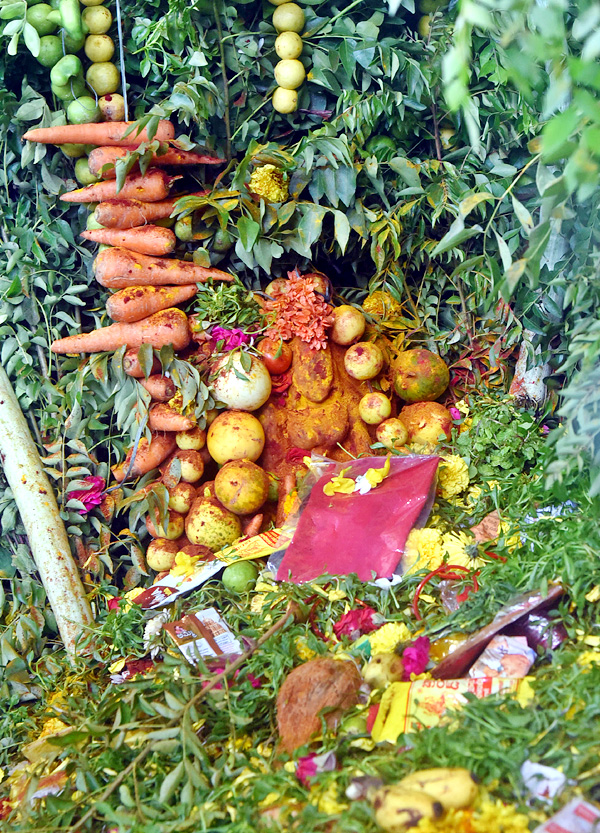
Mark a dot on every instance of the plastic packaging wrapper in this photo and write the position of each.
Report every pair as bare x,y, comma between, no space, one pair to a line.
362,532
505,656
576,817
421,704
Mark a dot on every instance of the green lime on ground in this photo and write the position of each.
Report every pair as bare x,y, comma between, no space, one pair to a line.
83,175
240,576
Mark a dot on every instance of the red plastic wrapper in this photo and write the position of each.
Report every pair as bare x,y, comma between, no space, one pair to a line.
359,533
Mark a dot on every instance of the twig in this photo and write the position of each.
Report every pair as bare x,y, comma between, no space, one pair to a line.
436,132
216,9
283,620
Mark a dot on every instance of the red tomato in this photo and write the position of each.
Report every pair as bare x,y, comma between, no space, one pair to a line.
276,355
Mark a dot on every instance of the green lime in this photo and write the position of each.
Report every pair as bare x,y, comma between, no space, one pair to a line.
222,241
51,50
83,175
382,148
240,576
73,151
183,229
38,17
73,45
83,110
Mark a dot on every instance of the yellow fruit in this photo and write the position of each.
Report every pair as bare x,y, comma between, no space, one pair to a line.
235,435
103,78
397,809
290,74
278,2
453,787
242,487
99,48
161,554
212,525
288,45
91,2
424,25
392,433
374,407
288,17
98,19
112,107
285,101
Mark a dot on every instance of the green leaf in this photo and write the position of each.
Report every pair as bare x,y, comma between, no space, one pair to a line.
556,135
407,170
342,229
523,215
456,234
472,201
170,782
249,230
504,251
32,39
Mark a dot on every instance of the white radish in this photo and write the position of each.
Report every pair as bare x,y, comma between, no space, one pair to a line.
45,530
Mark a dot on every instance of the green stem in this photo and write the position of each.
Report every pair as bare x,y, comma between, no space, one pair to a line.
216,10
508,191
331,20
253,113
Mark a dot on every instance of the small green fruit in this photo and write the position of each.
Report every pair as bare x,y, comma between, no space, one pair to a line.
240,576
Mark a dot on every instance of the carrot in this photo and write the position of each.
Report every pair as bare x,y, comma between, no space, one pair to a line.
117,268
159,387
105,133
137,302
169,326
101,161
132,366
151,187
149,456
147,240
121,213
163,418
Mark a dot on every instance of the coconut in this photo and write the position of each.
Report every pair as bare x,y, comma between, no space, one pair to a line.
236,387
235,435
419,375
426,422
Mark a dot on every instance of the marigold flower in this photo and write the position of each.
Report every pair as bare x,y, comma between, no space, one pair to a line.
269,182
489,817
461,550
423,550
385,638
453,476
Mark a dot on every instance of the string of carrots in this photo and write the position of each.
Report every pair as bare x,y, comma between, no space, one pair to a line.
138,262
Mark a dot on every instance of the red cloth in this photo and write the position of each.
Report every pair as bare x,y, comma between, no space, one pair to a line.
362,534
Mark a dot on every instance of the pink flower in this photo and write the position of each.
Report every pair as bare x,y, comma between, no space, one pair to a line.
232,338
89,497
455,414
357,622
415,657
310,765
545,430
255,682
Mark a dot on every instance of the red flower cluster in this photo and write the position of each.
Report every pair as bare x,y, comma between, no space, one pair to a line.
301,311
357,622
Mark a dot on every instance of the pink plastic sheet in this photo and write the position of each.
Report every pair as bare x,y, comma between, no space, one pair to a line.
362,534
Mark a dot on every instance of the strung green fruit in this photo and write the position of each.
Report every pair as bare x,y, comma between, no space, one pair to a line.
70,91
37,16
51,50
83,110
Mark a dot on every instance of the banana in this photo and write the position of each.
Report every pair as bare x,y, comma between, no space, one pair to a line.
453,787
397,809
383,669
